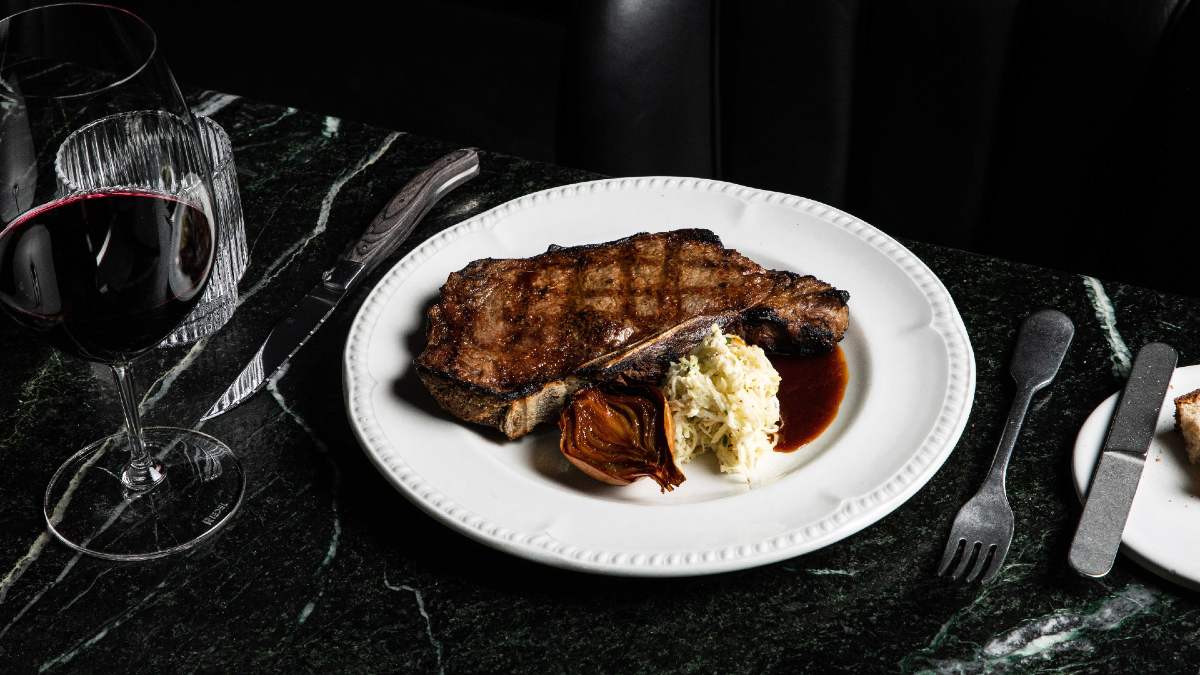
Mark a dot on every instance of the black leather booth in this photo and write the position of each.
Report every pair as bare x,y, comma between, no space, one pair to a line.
1060,132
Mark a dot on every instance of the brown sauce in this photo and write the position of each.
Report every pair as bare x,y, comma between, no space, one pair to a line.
810,393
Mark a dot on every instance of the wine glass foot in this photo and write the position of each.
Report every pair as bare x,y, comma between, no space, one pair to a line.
89,508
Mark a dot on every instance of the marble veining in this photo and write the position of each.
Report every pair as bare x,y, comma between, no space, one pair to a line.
468,206
1106,314
162,386
213,103
944,631
332,124
331,194
420,599
827,572
287,112
1056,633
36,597
336,525
23,563
39,544
294,584
56,515
85,591
67,656
29,392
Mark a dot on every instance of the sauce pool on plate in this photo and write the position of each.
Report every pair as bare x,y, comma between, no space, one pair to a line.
810,393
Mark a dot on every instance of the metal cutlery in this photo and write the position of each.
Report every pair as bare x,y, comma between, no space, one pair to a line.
387,231
983,529
1122,458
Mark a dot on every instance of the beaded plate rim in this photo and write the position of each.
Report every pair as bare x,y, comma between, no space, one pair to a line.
849,517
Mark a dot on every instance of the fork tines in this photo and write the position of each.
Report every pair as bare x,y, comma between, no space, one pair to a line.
976,560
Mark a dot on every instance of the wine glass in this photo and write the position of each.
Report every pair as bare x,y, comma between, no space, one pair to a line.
107,271
75,171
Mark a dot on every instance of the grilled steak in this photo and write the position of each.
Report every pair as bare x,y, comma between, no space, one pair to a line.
510,340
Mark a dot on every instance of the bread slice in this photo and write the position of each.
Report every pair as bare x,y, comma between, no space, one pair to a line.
1187,420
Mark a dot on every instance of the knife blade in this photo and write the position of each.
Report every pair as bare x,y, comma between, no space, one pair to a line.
1122,458
387,231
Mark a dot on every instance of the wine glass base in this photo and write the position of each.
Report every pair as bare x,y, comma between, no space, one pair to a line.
89,508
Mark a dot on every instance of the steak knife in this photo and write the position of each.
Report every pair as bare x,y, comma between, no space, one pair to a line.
387,231
1122,458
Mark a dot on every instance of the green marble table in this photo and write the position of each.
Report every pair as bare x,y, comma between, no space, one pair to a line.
328,568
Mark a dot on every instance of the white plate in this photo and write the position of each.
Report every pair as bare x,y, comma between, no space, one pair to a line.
1161,533
912,380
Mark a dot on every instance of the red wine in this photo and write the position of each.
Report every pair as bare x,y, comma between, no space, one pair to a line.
105,275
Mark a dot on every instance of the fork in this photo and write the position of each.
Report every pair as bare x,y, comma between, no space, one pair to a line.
983,529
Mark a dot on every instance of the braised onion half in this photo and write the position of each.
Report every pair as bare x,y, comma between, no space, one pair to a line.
620,436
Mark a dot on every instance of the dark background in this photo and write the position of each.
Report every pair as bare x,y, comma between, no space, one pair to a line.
1058,132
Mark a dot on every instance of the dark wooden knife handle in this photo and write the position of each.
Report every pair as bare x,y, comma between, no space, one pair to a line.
400,216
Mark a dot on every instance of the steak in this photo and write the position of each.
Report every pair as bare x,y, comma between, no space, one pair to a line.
509,340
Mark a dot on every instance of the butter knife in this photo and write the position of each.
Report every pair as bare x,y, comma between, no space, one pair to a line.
387,231
1122,458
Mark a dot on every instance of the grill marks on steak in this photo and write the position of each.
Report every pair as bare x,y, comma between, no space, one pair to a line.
509,340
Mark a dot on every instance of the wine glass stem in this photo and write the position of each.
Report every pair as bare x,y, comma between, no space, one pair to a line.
141,473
